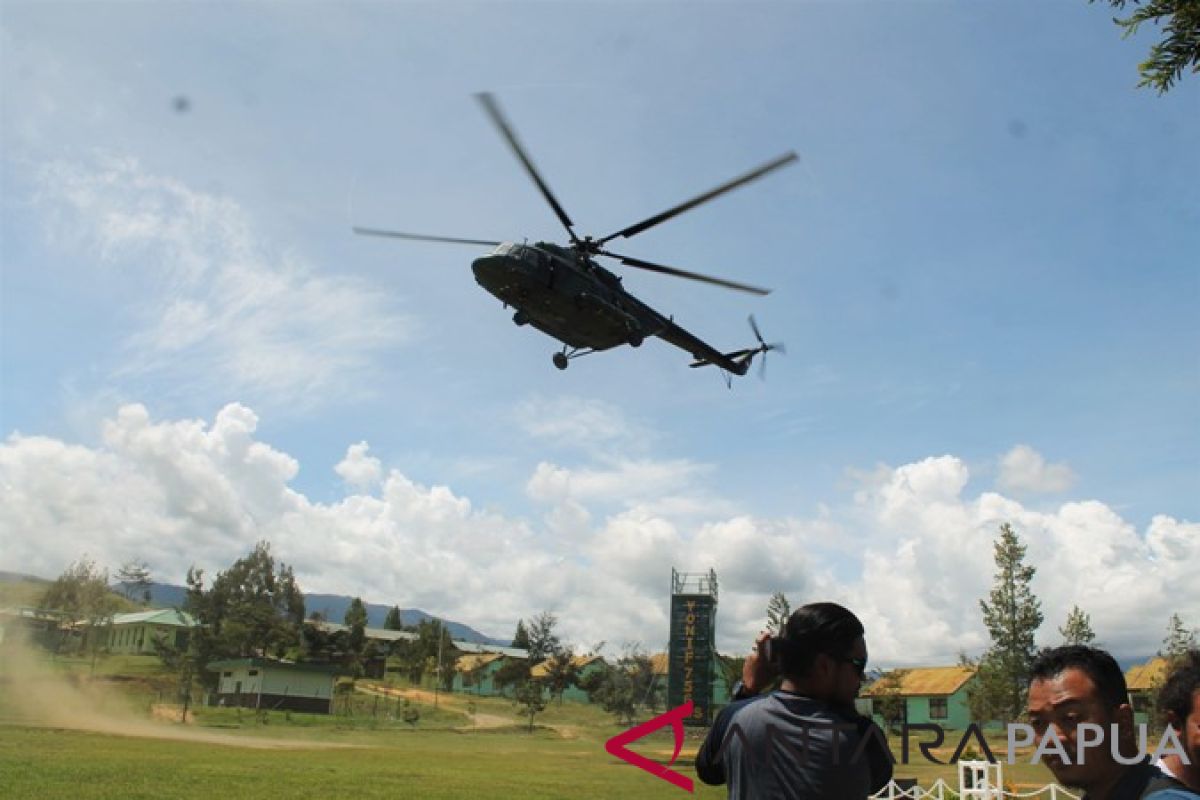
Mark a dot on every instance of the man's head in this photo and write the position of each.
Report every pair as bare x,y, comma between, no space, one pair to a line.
1068,687
824,651
1179,699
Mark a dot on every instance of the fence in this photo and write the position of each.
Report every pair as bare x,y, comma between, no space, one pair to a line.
940,790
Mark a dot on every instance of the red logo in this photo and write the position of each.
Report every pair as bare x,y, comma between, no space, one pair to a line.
675,717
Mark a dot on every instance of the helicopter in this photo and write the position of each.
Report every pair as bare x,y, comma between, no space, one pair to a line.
564,292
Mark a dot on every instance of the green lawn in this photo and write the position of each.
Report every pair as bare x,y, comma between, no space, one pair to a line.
325,760
365,751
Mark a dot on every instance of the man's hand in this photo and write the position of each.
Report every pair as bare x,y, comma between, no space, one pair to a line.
757,673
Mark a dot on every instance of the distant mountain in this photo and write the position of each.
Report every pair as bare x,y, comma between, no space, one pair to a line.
333,607
14,577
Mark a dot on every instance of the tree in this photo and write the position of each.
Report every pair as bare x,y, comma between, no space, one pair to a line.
543,641
433,645
1180,46
81,595
1078,628
393,622
528,697
1178,641
521,637
778,611
356,621
561,672
254,608
513,672
628,686
186,662
1012,617
134,577
887,700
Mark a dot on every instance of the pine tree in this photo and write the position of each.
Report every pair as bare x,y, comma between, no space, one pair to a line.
521,637
1078,628
1178,641
134,577
356,621
1012,617
778,611
393,621
543,641
1178,51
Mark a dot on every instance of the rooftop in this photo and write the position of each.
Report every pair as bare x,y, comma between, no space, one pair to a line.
922,681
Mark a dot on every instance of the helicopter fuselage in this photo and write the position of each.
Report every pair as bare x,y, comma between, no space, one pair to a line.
566,295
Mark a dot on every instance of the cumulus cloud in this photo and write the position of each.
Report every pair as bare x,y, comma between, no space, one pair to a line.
910,551
1023,469
220,300
358,469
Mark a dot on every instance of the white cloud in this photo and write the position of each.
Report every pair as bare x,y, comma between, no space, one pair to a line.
912,554
1023,469
215,301
626,482
583,423
359,470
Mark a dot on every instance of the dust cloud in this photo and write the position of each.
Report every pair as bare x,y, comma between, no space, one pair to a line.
32,694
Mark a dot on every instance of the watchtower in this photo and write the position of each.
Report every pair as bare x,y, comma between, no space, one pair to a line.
693,643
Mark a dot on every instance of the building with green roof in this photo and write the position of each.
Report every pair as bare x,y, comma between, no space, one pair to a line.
134,634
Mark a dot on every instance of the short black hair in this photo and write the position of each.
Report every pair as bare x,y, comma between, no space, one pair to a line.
1097,664
1183,682
817,628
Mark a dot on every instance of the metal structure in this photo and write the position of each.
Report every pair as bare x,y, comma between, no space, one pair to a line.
692,649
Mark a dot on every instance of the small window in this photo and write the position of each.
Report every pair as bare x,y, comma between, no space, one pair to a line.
938,708
252,673
226,674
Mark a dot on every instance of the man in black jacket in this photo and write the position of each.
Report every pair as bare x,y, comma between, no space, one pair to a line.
804,741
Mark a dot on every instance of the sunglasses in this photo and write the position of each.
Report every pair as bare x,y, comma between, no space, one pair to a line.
859,664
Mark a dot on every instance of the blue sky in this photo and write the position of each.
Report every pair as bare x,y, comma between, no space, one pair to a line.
983,268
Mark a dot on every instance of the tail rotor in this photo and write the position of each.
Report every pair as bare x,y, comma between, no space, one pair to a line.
763,348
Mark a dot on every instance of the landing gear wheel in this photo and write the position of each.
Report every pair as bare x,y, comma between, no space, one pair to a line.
636,340
560,360
521,318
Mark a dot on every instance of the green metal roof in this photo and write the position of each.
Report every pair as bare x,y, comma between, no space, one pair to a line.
268,663
157,616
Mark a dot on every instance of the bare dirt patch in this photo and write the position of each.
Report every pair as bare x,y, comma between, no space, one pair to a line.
35,697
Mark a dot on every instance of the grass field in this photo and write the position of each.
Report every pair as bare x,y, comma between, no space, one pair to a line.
96,738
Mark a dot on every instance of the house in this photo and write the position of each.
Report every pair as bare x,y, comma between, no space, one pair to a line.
931,695
585,667
451,658
473,648
135,633
383,635
263,683
1143,682
40,626
476,672
376,665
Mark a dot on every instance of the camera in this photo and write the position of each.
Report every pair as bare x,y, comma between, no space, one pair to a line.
772,650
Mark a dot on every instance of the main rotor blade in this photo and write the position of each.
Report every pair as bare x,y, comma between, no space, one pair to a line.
420,237
493,109
680,273
753,174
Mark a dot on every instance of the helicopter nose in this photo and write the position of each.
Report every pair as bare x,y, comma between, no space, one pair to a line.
488,267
